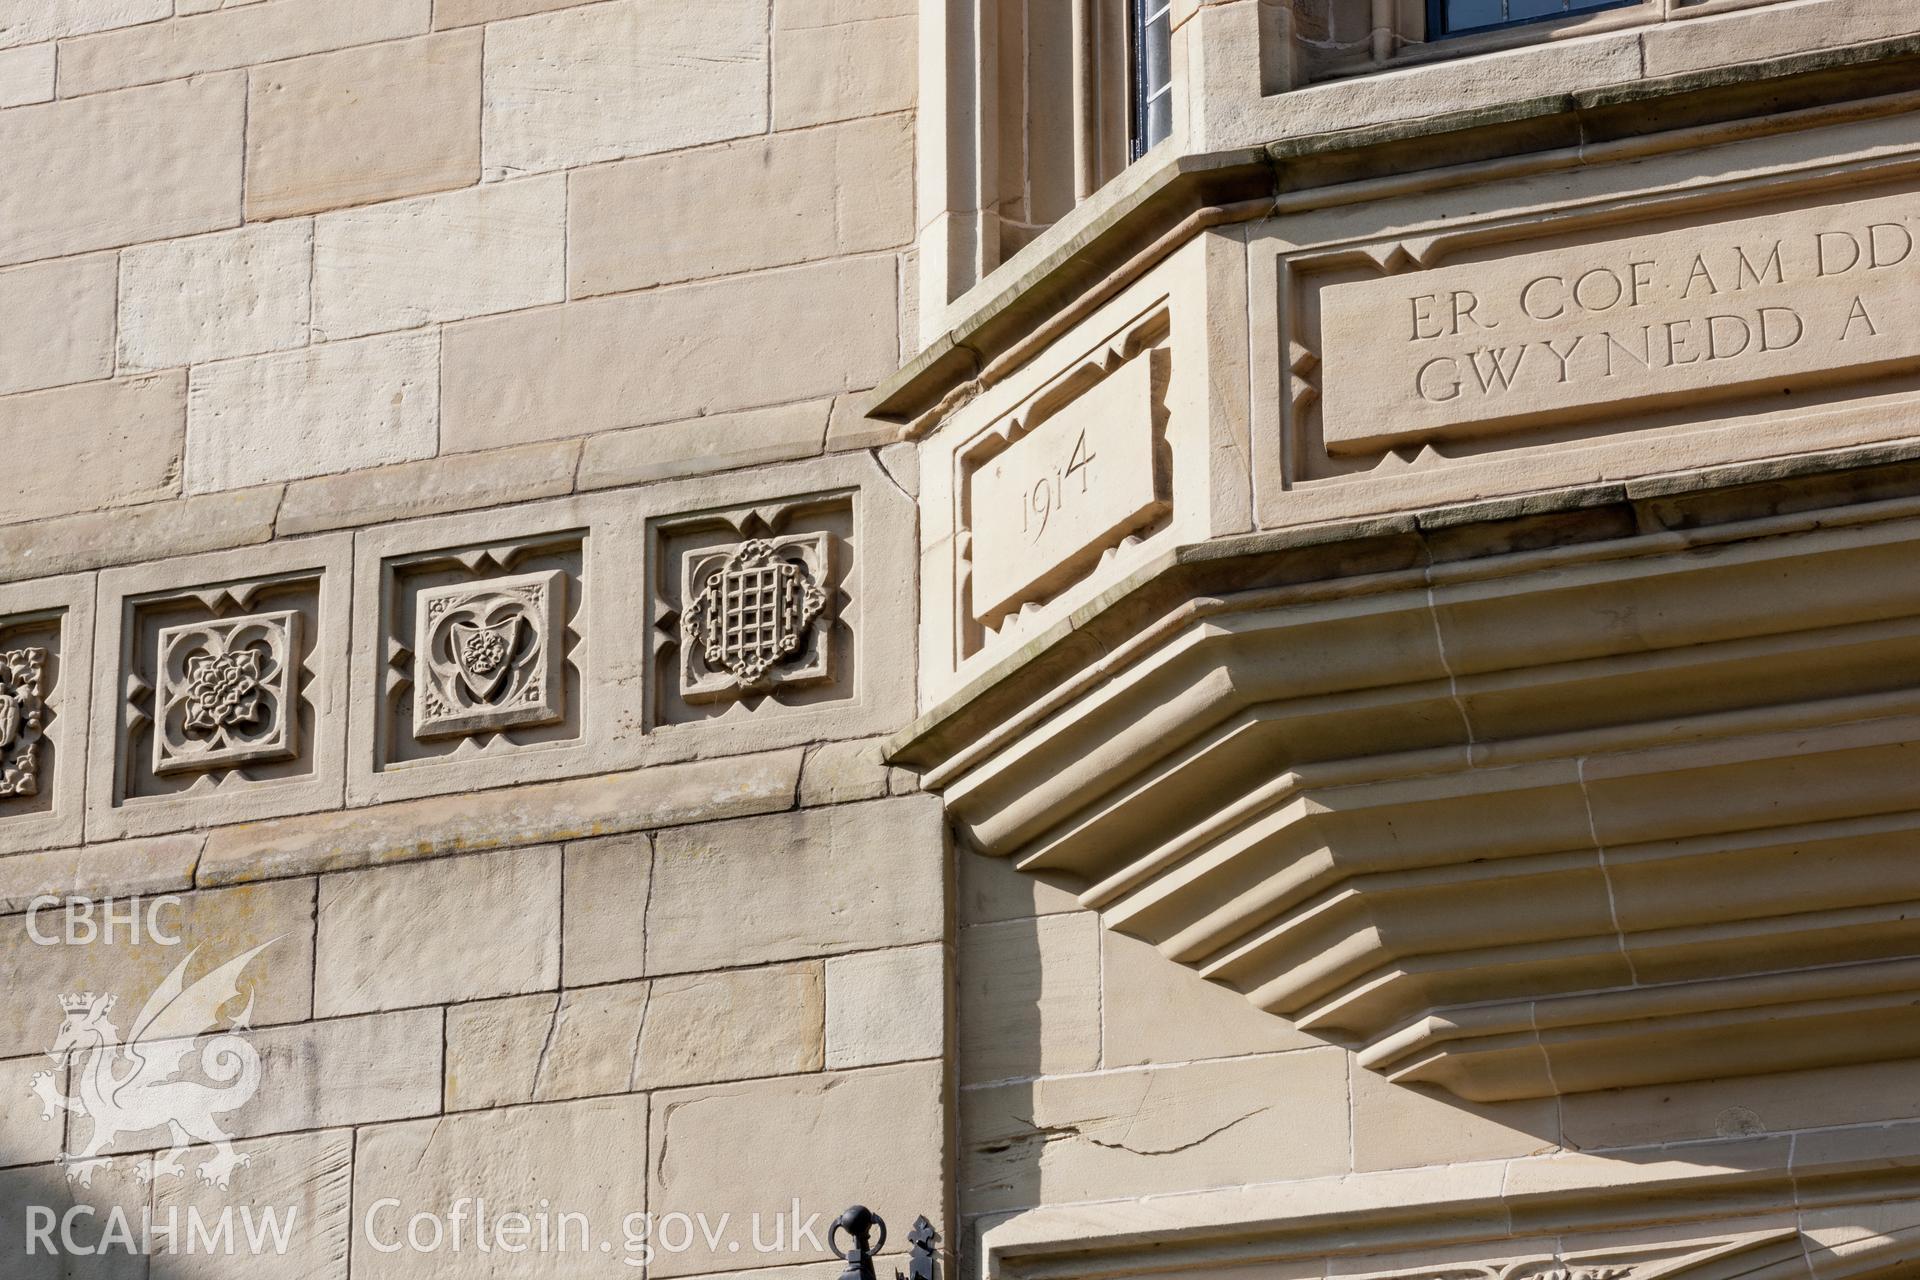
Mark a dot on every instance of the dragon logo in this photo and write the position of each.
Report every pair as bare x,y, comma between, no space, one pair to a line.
135,1086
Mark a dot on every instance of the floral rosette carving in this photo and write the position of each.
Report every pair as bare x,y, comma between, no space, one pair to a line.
225,695
22,716
222,690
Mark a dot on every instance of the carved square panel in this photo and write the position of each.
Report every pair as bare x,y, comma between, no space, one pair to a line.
482,626
489,657
756,616
753,610
223,694
226,693
46,653
780,616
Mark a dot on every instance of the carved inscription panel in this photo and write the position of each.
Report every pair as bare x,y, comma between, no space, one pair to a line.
1737,307
1072,487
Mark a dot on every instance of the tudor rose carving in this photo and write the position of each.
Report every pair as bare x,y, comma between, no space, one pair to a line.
225,694
22,714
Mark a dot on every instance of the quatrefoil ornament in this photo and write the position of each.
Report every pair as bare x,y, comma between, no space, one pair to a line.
226,693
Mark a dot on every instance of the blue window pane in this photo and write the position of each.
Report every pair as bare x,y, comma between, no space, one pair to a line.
1152,23
1159,118
1159,55
1452,17
1462,14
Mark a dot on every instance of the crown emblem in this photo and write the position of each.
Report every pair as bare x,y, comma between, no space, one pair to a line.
83,1001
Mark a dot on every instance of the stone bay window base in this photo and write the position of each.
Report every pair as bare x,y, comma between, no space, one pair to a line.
1445,581
1495,1222
1540,797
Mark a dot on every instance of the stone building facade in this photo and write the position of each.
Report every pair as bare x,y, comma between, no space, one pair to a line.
1263,639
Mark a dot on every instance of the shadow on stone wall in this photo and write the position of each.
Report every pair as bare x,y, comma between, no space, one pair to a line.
51,1229
270,1221
1087,1083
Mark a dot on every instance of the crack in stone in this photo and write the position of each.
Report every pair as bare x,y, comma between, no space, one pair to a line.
546,1047
639,1032
1042,1133
1184,1146
427,1146
800,776
646,908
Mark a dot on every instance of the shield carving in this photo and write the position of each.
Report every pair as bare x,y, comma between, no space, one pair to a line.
9,719
484,655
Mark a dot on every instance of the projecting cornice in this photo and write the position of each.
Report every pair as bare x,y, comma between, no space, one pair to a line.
1606,787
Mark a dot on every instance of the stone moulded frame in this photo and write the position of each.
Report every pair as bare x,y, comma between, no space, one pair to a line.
126,795
613,614
1170,348
855,677
567,551
1536,1217
1112,406
56,614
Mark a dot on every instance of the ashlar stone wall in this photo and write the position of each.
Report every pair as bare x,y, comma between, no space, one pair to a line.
700,1017
405,397
269,241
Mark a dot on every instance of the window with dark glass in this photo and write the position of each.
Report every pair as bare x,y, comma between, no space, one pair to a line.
1457,17
1152,73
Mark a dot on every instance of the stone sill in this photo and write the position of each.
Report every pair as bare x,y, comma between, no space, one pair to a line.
1693,1190
1126,227
647,799
1533,34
